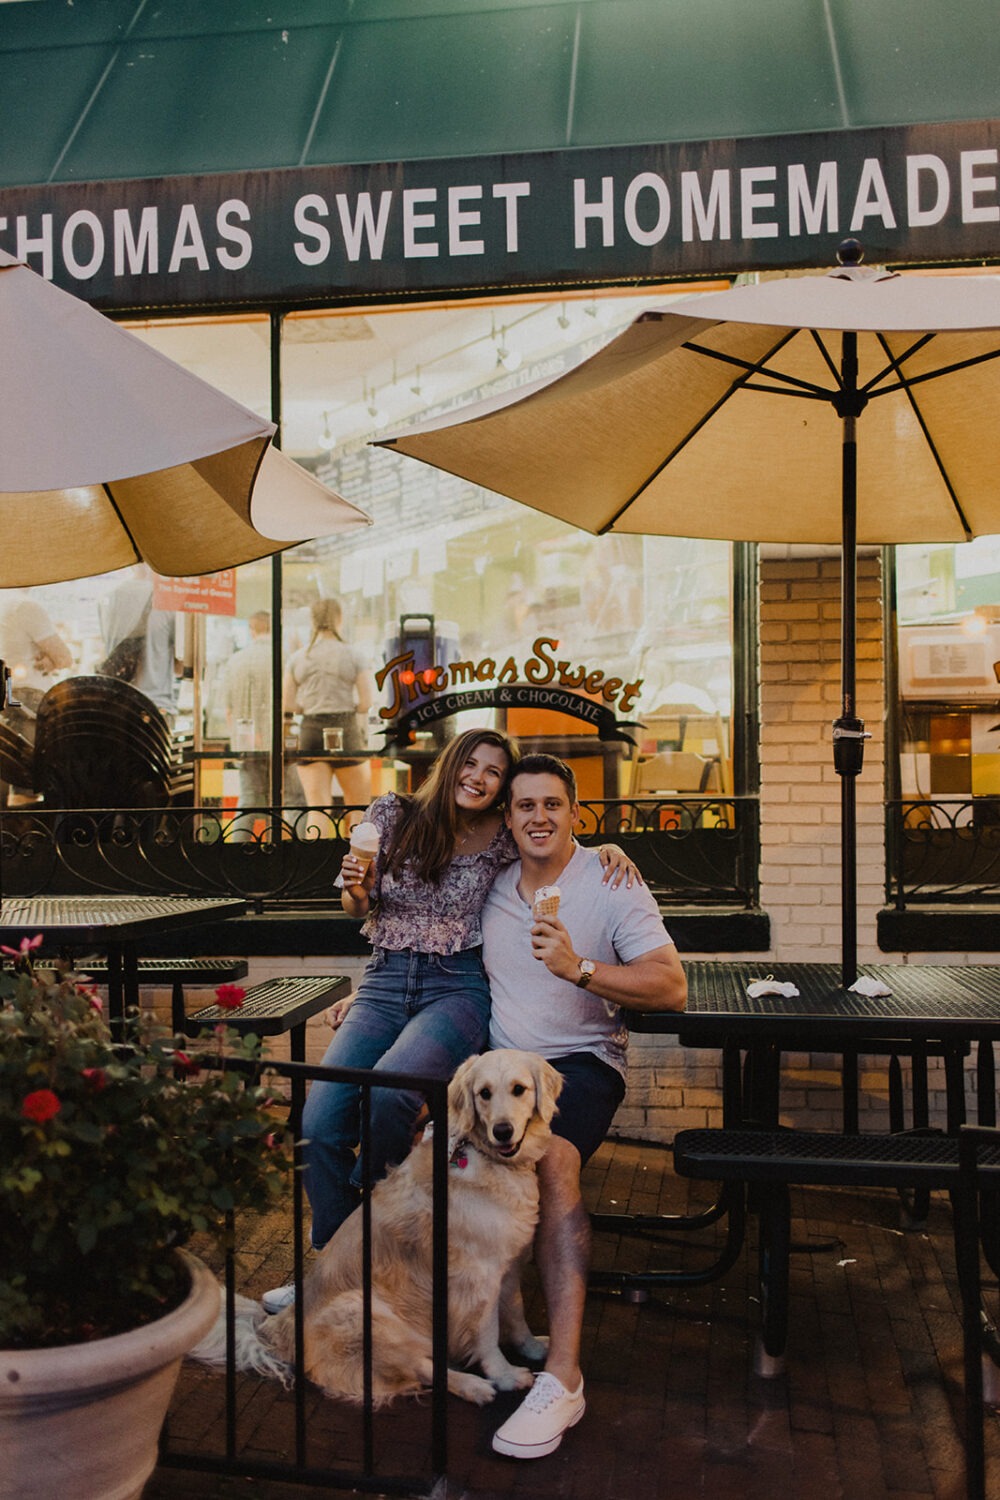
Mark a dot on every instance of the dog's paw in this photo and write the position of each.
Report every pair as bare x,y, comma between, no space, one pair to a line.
470,1387
533,1347
512,1378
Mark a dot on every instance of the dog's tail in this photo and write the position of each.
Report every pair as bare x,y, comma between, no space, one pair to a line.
254,1355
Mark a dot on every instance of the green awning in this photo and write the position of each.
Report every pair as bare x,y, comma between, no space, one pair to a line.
108,89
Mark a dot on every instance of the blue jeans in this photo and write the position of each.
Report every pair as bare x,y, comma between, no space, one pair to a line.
421,1013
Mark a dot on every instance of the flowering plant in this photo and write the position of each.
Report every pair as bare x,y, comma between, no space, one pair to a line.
112,1153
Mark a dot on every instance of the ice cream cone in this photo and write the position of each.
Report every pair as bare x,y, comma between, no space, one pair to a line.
546,902
364,843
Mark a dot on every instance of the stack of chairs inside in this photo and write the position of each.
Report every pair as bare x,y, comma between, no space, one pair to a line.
100,743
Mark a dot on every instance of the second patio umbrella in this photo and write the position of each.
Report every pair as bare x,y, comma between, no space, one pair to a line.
111,453
675,428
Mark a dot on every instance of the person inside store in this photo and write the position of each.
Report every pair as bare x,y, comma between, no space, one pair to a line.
558,985
330,684
34,653
140,641
246,689
423,1002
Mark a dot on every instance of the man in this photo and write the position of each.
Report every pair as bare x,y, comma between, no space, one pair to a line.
558,986
247,692
140,640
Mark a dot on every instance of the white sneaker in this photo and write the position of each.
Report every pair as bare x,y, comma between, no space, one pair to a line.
278,1297
537,1427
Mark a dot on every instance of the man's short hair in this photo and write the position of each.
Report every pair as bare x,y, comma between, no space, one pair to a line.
545,765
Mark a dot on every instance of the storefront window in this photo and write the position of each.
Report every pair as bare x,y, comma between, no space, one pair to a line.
948,602
481,590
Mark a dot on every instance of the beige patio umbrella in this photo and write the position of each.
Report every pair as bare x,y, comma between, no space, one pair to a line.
111,453
886,430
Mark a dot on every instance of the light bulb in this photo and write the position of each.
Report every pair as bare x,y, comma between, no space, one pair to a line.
509,359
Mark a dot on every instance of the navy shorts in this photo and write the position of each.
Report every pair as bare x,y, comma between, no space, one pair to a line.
592,1091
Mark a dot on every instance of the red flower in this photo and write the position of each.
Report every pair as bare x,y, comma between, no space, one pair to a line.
96,1077
230,996
186,1065
40,1105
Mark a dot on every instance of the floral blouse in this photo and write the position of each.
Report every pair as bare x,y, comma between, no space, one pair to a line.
408,912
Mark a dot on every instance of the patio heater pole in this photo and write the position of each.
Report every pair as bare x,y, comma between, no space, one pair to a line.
848,730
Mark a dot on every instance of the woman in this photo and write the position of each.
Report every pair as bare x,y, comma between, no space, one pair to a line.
330,685
423,1002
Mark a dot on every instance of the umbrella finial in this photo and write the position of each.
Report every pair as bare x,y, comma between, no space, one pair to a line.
850,253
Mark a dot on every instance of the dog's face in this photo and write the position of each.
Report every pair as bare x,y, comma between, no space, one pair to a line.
504,1101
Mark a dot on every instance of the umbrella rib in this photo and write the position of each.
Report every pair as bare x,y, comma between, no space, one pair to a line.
895,363
904,385
906,381
828,358
124,524
811,393
706,417
760,367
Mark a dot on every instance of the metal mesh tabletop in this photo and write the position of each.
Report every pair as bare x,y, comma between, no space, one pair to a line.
67,917
926,1001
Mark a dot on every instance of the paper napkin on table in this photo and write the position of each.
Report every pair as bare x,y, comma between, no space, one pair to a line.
870,987
769,986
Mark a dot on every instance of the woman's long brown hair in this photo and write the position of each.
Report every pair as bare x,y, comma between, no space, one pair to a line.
328,616
428,826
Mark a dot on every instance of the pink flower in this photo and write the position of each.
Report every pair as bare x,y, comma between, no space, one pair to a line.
230,996
96,1078
27,945
40,1105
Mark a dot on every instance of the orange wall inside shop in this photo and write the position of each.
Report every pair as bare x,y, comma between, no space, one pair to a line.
532,723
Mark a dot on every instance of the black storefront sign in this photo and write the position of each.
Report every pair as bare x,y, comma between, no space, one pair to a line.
518,695
920,193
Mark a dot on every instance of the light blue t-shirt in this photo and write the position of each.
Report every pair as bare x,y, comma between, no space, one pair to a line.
531,1007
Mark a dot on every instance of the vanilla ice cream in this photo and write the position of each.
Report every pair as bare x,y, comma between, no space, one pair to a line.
364,842
546,902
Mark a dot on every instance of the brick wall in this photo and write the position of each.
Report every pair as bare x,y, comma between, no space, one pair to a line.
800,686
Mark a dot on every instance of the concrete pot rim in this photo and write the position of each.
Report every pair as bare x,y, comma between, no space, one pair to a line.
122,1358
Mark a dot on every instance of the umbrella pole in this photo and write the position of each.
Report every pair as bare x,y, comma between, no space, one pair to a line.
848,730
848,674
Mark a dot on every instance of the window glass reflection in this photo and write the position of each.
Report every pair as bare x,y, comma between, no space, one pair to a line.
450,580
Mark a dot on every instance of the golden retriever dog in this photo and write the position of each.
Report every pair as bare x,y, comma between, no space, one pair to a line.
500,1107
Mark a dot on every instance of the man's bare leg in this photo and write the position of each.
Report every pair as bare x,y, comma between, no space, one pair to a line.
562,1253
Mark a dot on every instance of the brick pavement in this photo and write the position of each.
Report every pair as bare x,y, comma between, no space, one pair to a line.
869,1408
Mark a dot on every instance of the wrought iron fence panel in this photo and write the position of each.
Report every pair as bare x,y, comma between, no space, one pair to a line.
941,850
243,1425
690,849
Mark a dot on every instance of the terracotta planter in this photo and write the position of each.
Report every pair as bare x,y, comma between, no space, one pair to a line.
82,1422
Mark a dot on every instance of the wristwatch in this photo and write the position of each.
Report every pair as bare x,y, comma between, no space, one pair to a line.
587,967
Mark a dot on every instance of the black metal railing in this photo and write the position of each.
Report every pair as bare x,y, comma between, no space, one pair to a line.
271,1438
691,849
942,850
